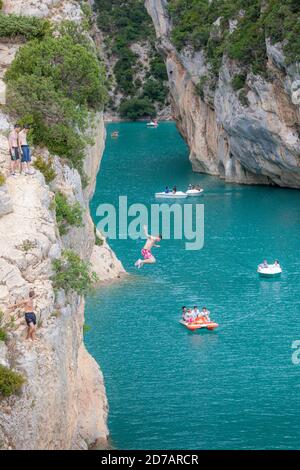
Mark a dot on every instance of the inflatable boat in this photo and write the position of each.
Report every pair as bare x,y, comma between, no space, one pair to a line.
272,270
171,195
194,192
199,325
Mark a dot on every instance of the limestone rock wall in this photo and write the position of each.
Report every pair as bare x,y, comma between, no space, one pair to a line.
257,143
63,403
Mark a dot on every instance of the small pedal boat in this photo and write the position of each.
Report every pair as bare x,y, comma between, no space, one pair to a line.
199,325
272,270
171,195
194,192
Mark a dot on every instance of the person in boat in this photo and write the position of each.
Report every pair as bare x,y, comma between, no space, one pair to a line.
189,317
195,312
190,187
184,313
264,264
146,251
276,263
205,314
174,190
167,190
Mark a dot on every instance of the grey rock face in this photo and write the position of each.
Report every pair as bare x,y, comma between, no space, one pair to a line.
253,142
5,201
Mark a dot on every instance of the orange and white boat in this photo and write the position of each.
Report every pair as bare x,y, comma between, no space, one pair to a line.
199,324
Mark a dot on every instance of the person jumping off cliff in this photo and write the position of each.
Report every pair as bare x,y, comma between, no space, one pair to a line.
30,316
146,251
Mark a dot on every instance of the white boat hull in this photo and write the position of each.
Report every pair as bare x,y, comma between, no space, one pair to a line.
270,271
194,192
178,195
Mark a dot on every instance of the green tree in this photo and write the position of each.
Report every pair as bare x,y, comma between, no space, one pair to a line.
52,84
137,108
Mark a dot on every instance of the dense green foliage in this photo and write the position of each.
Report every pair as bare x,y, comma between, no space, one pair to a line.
125,23
52,84
71,273
67,213
10,381
136,108
24,27
256,19
46,168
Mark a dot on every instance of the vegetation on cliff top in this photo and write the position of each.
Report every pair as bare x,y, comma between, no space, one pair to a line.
206,25
46,168
52,84
22,27
67,214
125,23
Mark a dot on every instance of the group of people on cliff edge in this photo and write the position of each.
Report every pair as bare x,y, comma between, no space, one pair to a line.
20,151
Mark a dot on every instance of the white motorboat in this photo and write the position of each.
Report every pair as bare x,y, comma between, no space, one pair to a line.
272,270
171,195
194,192
152,124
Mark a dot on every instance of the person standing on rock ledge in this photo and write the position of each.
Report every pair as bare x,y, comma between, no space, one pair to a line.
13,141
25,150
30,316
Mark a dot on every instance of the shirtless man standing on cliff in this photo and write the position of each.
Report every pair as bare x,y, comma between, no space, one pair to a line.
30,316
146,251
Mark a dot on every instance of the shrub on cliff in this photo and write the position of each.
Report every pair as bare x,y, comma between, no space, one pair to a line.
67,213
51,85
27,27
72,274
10,381
137,108
2,179
46,168
3,335
238,81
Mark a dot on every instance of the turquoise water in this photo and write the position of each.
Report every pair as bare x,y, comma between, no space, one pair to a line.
235,388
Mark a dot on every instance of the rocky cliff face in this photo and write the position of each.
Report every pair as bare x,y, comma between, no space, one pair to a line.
63,403
255,142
